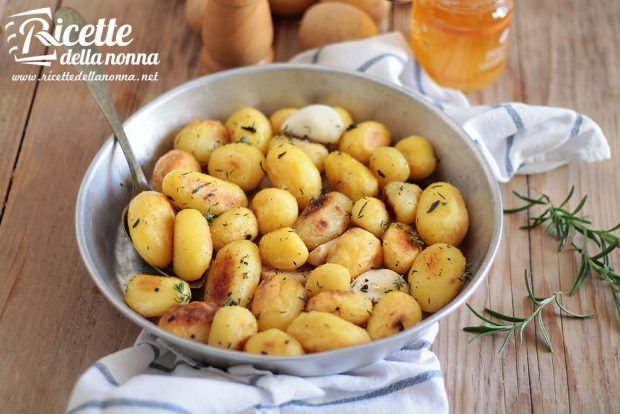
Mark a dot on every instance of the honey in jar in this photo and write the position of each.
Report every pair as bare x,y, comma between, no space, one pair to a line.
462,44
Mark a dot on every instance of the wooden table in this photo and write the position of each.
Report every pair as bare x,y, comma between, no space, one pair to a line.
54,322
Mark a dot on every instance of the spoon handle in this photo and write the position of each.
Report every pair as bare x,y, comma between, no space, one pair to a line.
101,92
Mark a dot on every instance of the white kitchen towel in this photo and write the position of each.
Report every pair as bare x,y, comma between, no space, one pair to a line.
150,378
515,138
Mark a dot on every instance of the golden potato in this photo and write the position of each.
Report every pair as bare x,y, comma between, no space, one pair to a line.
190,320
231,327
234,274
150,219
232,225
279,117
318,255
358,250
442,216
315,151
402,200
347,305
388,164
274,209
347,119
277,301
377,9
401,245
436,276
363,139
420,156
273,342
289,8
324,219
239,164
394,313
322,331
153,295
326,277
207,194
172,160
370,214
249,126
349,176
283,249
290,169
194,10
193,247
200,138
298,275
375,284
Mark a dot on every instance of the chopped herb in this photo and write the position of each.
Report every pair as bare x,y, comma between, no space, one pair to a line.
359,214
135,224
281,155
251,129
433,206
200,187
229,302
380,173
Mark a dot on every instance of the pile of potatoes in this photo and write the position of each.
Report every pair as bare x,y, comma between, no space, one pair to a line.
310,232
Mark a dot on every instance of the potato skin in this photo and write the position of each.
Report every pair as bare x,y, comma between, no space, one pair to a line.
402,200
362,140
394,313
150,220
273,342
277,301
193,248
401,245
200,138
274,209
324,219
358,250
315,151
234,274
322,331
283,249
370,214
318,255
436,276
232,225
240,164
279,117
207,194
298,275
249,126
326,277
231,327
191,321
347,119
172,160
347,305
419,154
442,216
153,295
349,176
388,164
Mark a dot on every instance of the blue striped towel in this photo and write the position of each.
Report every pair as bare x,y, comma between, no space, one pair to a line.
515,138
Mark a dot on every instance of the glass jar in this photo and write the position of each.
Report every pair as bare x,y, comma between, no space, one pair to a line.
462,44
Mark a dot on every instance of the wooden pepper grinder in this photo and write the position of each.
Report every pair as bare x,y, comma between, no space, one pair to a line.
236,33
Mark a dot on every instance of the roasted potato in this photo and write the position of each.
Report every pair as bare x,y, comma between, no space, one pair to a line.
377,9
172,160
322,331
329,276
283,249
231,327
240,164
318,255
277,301
189,320
249,126
420,156
298,275
274,209
395,312
375,284
273,342
347,119
401,245
289,8
232,225
358,250
200,138
361,140
279,117
315,151
436,276
150,219
234,274
349,176
370,214
442,216
324,219
388,164
193,247
402,200
153,295
347,305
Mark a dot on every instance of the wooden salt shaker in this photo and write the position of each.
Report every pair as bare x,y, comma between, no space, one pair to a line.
236,33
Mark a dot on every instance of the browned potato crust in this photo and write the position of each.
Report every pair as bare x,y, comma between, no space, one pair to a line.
358,250
277,301
172,160
347,305
325,218
191,320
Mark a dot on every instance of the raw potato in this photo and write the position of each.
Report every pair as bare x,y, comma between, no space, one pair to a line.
442,216
298,275
420,156
347,305
234,274
274,209
150,219
280,116
388,164
370,214
436,276
377,9
322,331
200,138
249,126
277,301
402,200
324,219
207,194
318,255
357,250
239,164
153,295
318,123
194,10
289,8
349,176
273,342
232,225
394,313
193,247
329,276
347,119
172,160
231,327
315,151
191,321
363,139
401,245
375,284
283,249
329,23
290,169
